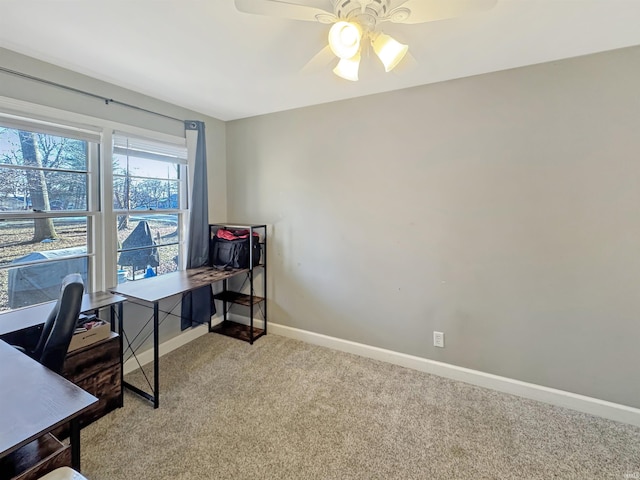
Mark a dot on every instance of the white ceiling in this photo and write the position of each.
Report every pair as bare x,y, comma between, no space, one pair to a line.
206,56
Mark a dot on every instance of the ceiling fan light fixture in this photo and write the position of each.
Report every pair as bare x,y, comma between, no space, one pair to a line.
347,68
389,51
344,39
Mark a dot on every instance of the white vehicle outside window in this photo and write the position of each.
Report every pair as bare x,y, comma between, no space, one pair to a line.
48,208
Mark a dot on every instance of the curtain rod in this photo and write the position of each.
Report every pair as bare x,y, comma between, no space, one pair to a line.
106,100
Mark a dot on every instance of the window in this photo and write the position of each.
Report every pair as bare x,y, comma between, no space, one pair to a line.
149,203
63,210
48,205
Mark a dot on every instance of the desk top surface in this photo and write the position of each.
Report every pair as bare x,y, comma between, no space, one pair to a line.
96,300
156,288
26,317
33,400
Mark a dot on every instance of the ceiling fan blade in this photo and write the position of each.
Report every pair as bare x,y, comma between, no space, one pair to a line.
277,8
431,10
319,61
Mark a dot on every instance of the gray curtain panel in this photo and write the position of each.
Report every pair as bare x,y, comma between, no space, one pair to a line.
198,306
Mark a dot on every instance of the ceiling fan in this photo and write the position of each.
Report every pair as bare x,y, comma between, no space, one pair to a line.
356,22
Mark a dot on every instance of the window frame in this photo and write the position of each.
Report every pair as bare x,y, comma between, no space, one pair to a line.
101,216
92,194
182,182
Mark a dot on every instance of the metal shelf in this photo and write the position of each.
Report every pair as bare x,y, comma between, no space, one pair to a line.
228,297
238,330
238,298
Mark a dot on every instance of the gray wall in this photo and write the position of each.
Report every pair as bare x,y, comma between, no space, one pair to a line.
500,209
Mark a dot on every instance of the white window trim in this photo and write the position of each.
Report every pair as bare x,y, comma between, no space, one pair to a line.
105,240
181,213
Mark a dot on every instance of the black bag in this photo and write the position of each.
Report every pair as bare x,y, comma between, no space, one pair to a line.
233,253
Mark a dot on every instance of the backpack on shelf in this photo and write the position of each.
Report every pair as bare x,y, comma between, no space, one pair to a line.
230,249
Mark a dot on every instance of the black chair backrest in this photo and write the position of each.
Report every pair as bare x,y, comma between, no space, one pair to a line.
60,325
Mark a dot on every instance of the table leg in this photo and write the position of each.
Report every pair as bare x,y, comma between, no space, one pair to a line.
154,396
112,317
74,440
156,347
120,326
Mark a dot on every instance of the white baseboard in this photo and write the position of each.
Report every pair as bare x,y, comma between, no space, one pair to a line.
257,322
166,347
581,403
574,401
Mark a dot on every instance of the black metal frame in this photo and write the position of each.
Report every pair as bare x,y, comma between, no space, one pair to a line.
154,396
74,441
226,304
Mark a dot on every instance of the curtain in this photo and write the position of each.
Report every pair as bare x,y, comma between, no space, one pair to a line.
198,306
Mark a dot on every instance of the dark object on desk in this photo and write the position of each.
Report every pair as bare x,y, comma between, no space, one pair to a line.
232,249
60,325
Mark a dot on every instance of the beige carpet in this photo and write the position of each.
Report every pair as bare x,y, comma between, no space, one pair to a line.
284,409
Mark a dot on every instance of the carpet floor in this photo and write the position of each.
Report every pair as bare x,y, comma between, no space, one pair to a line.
285,409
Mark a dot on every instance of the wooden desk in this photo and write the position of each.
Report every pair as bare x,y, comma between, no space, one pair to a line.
154,289
34,401
27,317
14,324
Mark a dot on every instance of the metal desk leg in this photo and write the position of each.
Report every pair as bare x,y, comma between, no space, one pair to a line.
120,327
112,317
154,396
156,347
74,440
251,306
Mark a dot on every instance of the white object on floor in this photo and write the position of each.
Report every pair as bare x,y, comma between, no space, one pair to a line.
63,473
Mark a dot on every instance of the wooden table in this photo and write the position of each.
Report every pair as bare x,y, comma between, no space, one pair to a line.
152,290
27,317
35,401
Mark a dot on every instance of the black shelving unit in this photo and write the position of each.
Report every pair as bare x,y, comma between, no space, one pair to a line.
248,333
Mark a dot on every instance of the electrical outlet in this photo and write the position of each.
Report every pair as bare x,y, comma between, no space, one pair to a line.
438,339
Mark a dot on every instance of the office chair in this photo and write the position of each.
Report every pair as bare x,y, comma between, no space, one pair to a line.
58,329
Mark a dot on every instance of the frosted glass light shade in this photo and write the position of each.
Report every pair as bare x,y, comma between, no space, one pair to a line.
347,68
389,51
344,39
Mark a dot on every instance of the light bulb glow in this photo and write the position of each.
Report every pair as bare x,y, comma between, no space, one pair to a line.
389,51
347,68
344,39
